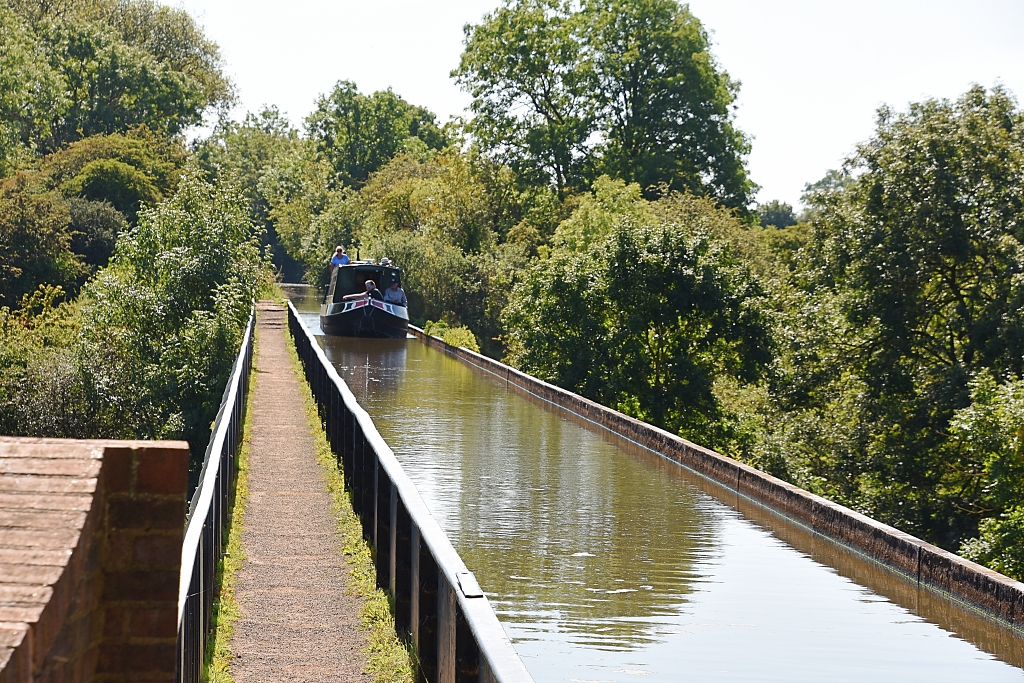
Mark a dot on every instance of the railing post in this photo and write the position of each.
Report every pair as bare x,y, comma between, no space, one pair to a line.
446,623
424,606
393,543
369,466
356,476
467,654
401,563
381,523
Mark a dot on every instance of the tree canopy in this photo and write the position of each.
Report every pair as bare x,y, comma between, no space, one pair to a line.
357,134
88,67
629,88
643,310
911,273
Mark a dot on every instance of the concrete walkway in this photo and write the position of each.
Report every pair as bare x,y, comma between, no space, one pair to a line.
297,623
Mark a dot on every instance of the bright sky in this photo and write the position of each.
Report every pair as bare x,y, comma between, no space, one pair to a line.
812,72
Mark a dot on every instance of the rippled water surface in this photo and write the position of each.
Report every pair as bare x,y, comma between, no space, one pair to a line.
605,562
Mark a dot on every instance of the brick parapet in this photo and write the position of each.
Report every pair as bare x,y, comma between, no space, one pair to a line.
90,553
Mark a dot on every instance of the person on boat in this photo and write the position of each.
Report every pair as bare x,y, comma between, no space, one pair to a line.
395,294
340,258
371,293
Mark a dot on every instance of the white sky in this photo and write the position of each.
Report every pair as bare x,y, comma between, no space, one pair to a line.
812,72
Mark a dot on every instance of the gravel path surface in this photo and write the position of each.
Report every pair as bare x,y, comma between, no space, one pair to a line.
297,623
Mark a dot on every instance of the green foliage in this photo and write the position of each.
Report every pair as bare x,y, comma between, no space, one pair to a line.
40,391
157,160
309,218
241,153
35,240
147,348
29,91
87,67
356,134
94,227
112,86
453,336
1000,545
612,202
645,319
665,105
125,187
172,37
897,311
777,214
919,255
439,197
987,437
562,92
531,106
162,324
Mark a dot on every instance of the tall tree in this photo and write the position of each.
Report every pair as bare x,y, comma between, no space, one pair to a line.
777,214
241,153
666,107
923,252
524,68
30,90
642,311
357,134
629,88
83,67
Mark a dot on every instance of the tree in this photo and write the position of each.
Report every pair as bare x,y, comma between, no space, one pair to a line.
665,105
357,134
523,66
162,324
94,228
34,240
629,89
920,249
241,153
112,86
173,38
84,67
645,319
30,91
777,214
126,170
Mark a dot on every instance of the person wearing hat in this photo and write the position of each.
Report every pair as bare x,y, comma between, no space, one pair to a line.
395,294
340,258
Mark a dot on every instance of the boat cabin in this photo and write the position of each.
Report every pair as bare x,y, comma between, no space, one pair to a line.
351,279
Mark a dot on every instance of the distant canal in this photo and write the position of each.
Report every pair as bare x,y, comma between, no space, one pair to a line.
607,563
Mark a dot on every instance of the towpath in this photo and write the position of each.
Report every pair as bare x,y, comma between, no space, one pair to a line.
298,621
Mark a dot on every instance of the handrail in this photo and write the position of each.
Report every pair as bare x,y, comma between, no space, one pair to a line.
438,603
207,516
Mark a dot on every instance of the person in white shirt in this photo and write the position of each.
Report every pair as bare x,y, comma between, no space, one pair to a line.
395,294
340,258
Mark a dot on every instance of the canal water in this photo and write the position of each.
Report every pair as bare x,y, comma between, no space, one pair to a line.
608,563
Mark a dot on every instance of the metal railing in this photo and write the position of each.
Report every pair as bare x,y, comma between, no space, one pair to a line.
438,604
207,516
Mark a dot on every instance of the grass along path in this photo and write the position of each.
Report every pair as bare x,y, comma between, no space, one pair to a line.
390,660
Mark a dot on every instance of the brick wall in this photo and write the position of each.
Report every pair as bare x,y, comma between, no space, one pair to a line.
90,554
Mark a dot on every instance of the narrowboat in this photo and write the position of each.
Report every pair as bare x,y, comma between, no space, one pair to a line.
366,317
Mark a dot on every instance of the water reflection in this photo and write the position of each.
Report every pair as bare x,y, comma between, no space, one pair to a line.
505,478
608,563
